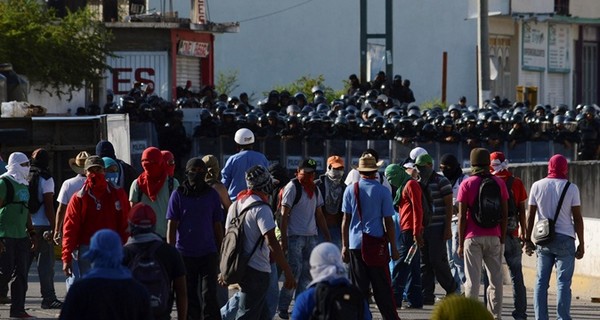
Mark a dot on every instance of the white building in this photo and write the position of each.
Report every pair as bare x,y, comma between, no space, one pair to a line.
280,41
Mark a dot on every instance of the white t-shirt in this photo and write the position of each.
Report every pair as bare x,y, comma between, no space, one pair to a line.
69,187
302,220
258,221
39,218
354,176
545,194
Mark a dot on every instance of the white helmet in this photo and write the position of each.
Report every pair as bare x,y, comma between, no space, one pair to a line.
244,137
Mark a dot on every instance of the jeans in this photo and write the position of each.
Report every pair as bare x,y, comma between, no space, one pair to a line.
456,263
229,310
299,249
512,255
13,263
79,265
560,252
489,250
203,271
434,264
335,232
404,275
252,301
44,254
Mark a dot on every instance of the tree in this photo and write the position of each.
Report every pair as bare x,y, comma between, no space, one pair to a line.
60,55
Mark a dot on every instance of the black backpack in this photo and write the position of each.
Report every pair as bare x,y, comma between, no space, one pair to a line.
34,185
147,270
513,212
233,262
487,209
338,302
9,198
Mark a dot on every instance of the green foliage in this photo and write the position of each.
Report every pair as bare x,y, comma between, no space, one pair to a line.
227,82
305,84
432,103
60,55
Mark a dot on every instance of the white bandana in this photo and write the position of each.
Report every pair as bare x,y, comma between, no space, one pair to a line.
498,166
326,263
15,170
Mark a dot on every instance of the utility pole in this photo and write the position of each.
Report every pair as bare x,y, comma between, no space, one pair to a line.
388,36
483,77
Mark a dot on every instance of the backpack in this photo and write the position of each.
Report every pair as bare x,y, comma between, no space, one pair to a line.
147,270
10,193
342,301
169,181
34,185
233,262
487,209
513,212
426,202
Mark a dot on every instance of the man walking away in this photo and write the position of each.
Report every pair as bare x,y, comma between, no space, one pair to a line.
478,243
368,209
543,202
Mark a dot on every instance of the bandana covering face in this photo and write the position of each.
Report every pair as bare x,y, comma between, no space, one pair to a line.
452,171
558,167
15,170
498,162
96,182
308,183
168,157
154,175
212,168
326,263
335,175
396,175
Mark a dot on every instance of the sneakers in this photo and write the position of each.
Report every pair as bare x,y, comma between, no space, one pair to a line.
55,304
283,314
4,300
21,315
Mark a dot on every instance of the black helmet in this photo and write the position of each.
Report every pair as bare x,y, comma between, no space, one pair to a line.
341,121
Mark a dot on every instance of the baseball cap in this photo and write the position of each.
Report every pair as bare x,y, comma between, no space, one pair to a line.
93,161
335,162
142,215
309,165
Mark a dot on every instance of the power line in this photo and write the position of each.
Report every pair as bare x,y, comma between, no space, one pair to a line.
276,12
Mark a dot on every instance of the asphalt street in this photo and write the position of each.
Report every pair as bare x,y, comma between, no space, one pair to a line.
581,308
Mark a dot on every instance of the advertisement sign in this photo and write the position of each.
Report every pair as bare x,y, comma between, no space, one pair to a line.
534,46
193,48
558,48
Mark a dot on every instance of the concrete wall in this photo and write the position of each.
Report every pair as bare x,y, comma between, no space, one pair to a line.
584,8
586,175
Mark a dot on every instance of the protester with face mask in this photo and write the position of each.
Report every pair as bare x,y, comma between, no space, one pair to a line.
98,205
434,264
111,170
332,188
450,168
153,187
15,233
194,227
299,224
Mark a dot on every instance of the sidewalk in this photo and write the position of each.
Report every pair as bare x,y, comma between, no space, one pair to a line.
580,309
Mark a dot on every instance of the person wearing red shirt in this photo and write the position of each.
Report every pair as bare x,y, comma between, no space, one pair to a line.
408,199
98,205
515,231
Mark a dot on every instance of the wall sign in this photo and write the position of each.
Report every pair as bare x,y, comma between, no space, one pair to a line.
559,59
534,46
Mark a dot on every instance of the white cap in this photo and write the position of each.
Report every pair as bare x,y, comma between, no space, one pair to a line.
416,152
244,137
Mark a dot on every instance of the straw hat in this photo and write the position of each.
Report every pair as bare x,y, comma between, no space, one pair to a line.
77,164
368,163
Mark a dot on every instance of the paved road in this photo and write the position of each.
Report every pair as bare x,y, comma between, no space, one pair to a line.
580,309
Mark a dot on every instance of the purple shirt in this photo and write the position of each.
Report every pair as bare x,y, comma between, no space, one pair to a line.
196,216
467,192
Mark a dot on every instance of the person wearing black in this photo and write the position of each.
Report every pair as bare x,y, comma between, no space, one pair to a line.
589,133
